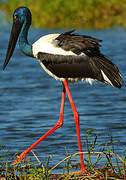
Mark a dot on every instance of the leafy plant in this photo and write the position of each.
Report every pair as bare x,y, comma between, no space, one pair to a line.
82,14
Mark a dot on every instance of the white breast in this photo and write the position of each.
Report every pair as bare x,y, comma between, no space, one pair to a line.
48,44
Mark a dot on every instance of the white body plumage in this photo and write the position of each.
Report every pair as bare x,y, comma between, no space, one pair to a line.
48,44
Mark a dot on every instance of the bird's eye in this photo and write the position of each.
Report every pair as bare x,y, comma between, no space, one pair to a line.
15,16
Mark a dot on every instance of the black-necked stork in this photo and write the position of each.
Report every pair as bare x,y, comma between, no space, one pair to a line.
67,57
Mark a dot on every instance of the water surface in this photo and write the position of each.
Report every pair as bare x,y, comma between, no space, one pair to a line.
30,101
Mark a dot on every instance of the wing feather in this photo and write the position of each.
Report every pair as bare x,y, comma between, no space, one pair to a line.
81,67
79,43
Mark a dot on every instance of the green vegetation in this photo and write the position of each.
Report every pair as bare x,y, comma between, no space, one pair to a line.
80,14
114,167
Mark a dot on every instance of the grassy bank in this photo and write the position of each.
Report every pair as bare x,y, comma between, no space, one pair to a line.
80,14
113,167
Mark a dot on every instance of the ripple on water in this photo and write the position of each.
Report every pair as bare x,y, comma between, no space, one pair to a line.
30,102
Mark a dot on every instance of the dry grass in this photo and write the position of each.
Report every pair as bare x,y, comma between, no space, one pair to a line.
114,167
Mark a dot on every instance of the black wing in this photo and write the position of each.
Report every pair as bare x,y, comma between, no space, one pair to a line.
79,43
81,67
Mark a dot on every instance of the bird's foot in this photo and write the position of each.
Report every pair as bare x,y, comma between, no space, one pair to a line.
83,170
19,158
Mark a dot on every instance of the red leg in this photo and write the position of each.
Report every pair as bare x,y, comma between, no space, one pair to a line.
76,119
58,124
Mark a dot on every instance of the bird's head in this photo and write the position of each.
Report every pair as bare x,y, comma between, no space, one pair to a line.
21,18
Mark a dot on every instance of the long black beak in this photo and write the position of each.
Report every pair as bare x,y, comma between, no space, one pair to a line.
16,28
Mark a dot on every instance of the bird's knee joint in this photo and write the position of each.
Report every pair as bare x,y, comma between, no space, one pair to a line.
59,123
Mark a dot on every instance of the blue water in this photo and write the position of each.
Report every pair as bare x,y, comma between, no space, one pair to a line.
30,101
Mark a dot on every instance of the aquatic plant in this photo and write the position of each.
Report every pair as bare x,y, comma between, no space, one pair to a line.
109,170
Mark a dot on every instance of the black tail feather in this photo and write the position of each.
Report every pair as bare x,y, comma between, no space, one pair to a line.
109,71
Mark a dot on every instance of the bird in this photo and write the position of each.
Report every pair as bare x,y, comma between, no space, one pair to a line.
67,57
